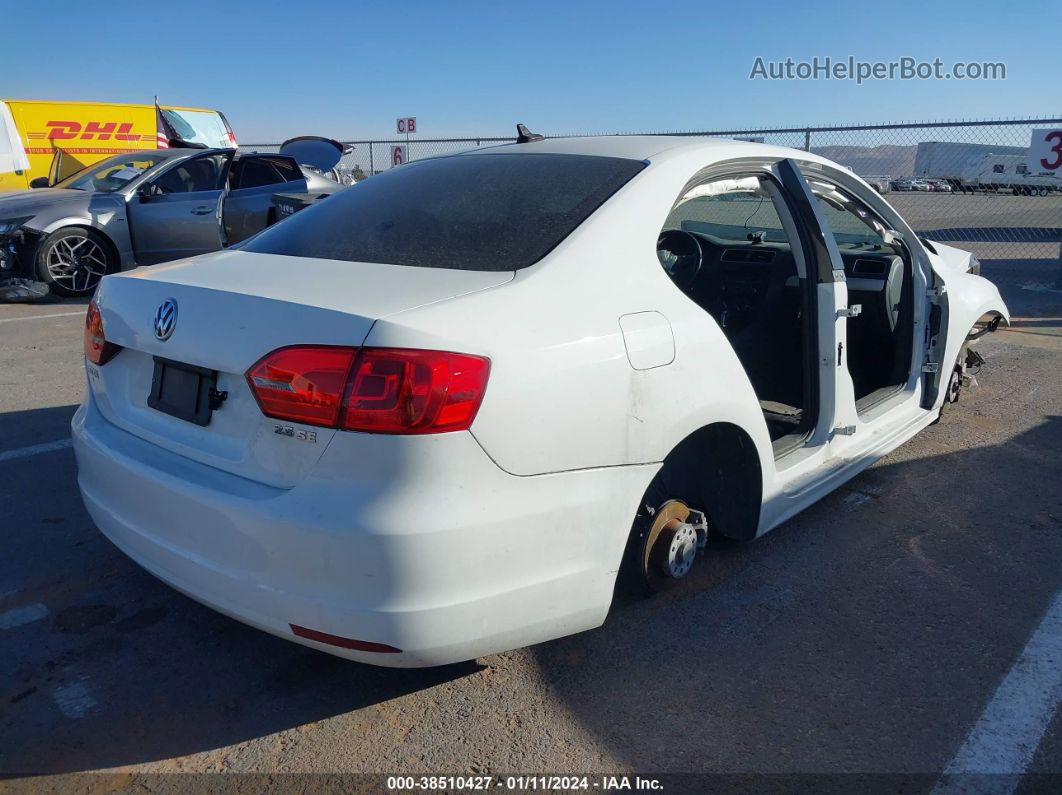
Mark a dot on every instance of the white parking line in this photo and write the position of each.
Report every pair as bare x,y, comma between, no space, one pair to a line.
1008,732
34,449
40,317
26,614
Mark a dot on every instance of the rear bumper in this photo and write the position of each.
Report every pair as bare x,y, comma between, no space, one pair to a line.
420,543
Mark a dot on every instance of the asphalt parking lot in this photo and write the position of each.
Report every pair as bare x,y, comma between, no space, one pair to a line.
870,635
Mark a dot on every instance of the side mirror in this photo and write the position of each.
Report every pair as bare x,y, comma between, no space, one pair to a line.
39,182
147,191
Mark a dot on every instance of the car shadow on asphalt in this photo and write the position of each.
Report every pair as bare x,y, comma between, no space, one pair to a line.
865,634
33,427
1026,284
121,669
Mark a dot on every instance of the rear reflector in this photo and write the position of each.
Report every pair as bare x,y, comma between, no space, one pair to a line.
374,390
343,643
97,349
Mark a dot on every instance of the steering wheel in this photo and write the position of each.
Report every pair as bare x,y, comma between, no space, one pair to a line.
681,256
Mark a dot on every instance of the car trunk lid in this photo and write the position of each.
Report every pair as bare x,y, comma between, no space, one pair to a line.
232,309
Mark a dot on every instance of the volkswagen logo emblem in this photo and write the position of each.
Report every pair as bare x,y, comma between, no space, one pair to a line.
165,319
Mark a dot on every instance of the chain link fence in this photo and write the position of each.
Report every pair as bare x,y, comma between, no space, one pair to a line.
964,182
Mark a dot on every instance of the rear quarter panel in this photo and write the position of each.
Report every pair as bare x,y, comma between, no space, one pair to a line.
562,393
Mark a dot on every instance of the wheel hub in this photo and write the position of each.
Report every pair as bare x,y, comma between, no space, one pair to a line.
670,546
954,386
682,550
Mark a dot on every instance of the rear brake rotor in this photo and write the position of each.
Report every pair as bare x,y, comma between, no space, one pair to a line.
669,547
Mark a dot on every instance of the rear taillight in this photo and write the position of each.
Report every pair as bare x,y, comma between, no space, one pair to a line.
97,349
375,390
407,391
228,130
302,384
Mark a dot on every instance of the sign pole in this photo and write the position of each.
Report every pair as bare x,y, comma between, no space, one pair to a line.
1058,278
405,125
1045,158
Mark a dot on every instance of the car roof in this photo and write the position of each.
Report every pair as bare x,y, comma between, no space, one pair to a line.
173,151
179,151
648,147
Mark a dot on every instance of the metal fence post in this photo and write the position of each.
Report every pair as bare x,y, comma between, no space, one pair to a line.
1058,279
372,168
807,140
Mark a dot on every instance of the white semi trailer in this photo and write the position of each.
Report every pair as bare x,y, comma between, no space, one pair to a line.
982,167
1008,173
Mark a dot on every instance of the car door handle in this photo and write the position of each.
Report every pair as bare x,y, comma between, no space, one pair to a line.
202,210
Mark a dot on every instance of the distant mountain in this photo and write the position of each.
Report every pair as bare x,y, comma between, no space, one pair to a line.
894,161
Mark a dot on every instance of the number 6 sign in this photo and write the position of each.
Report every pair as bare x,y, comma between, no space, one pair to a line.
1045,151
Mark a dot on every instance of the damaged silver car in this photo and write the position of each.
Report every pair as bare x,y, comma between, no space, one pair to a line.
142,208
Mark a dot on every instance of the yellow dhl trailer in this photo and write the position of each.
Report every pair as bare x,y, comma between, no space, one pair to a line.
52,140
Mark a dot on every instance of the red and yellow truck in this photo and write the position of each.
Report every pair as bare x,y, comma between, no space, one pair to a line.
56,139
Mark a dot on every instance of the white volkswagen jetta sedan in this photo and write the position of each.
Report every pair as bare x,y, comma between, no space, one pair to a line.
436,416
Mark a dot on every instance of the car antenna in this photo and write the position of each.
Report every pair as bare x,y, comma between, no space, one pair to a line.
524,135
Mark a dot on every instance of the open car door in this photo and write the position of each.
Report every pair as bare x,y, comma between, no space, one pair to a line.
178,212
835,398
939,361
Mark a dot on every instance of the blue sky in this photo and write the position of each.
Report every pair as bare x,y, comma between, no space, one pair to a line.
464,68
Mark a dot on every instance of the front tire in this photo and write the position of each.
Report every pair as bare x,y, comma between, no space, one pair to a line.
72,260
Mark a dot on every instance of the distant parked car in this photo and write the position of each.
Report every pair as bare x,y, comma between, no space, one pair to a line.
903,185
320,155
939,185
145,207
879,184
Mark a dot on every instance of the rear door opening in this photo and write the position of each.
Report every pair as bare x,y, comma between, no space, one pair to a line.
731,245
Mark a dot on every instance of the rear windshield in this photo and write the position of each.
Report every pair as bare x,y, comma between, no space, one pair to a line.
496,212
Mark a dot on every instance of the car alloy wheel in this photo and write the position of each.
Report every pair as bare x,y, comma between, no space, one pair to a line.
76,263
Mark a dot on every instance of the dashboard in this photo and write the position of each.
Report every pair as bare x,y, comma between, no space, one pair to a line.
736,281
